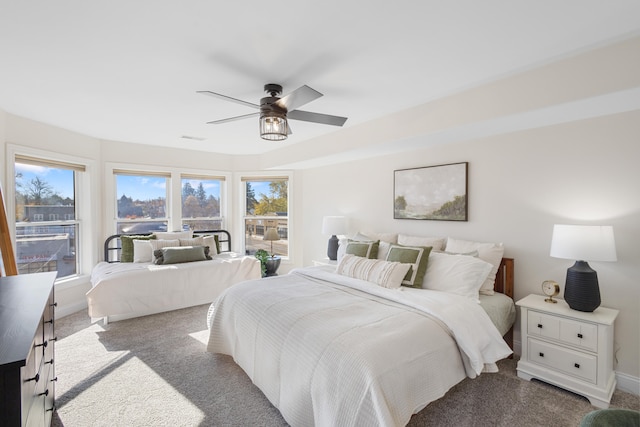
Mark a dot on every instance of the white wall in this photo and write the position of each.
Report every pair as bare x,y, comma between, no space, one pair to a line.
520,184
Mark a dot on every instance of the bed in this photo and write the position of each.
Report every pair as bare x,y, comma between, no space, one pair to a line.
330,349
122,290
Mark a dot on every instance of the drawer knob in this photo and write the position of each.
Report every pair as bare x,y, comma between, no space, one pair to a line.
579,335
541,354
54,379
44,344
36,378
53,339
577,365
540,325
49,321
44,393
55,304
50,361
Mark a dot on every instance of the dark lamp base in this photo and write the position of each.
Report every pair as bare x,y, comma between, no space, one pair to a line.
272,265
332,249
581,290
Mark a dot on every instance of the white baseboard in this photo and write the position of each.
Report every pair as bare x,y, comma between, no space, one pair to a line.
628,383
625,382
62,311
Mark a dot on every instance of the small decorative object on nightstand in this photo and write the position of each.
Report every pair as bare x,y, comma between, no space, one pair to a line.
273,262
551,289
570,349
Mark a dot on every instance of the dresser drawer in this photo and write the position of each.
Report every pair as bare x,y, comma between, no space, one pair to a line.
574,363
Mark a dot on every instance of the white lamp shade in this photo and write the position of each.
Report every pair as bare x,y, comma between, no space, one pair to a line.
271,234
334,225
583,242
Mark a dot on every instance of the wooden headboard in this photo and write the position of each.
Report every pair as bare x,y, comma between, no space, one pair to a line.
504,285
112,245
504,278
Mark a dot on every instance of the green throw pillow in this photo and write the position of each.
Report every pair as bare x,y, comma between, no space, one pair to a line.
363,249
417,256
126,244
178,255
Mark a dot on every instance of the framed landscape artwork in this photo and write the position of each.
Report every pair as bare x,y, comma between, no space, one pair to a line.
432,192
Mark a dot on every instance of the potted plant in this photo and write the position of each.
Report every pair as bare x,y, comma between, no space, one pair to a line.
262,256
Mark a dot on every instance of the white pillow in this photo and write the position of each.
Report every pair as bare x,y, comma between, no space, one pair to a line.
383,237
457,274
489,252
194,241
211,242
437,243
142,251
383,273
159,244
172,235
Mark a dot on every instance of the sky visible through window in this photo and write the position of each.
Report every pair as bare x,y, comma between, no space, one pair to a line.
60,180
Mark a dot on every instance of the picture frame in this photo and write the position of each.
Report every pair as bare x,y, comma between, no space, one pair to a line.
436,193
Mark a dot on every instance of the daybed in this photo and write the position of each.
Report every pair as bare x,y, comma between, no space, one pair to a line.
138,287
348,346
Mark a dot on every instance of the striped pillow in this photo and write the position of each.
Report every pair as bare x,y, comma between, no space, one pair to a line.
383,273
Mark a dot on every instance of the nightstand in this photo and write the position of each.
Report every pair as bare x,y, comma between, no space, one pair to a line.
568,348
324,261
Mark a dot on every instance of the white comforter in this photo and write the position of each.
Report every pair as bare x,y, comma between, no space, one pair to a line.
328,350
124,290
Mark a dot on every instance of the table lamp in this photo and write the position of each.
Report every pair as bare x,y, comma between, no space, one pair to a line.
583,243
271,235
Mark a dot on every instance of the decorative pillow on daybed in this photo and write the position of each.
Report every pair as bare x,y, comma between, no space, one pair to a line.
177,255
173,235
417,256
383,273
126,242
457,274
489,252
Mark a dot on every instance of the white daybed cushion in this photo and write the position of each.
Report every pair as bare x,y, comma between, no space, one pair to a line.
138,289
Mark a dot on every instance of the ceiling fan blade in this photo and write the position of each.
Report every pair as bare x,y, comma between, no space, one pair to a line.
303,95
228,98
233,119
308,116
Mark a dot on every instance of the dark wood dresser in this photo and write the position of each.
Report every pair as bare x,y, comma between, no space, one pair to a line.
27,341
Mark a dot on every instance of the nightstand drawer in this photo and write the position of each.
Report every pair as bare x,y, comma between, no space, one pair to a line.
543,325
580,334
561,359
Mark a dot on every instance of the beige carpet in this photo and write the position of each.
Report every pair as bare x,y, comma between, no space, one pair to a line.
154,371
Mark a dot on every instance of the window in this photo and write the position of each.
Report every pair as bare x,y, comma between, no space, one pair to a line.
45,191
141,202
201,208
266,206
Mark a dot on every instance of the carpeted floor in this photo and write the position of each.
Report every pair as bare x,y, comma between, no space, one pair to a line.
154,371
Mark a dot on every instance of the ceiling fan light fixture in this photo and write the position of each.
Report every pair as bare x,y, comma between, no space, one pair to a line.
273,126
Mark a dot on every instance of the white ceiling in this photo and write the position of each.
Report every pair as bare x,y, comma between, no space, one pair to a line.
129,70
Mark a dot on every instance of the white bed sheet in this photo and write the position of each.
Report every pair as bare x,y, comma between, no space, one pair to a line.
124,290
330,350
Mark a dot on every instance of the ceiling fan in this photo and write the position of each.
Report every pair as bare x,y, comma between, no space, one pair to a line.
275,111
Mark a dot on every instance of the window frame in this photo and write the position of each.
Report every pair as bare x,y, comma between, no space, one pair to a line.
240,180
85,208
174,192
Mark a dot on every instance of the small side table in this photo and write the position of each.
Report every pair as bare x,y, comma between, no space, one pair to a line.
568,348
324,261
